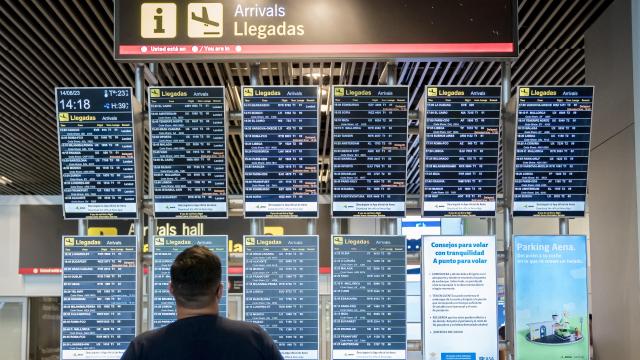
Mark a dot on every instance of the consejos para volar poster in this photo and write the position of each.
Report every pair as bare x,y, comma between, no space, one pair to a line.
551,297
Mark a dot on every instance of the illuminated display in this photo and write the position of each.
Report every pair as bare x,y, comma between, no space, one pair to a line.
369,297
281,291
98,296
166,249
369,156
96,148
188,149
280,132
552,150
461,151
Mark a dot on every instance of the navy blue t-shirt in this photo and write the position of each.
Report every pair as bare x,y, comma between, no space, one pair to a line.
207,337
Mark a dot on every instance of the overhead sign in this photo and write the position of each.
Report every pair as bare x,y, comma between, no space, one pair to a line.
459,294
368,295
280,147
96,148
462,126
369,151
188,151
551,297
281,291
241,30
552,150
165,251
98,296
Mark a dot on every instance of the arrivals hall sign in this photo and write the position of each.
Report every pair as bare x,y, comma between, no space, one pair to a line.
299,29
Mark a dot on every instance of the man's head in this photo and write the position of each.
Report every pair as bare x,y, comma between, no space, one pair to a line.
195,278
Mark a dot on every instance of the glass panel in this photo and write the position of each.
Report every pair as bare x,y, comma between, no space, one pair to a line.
11,330
44,328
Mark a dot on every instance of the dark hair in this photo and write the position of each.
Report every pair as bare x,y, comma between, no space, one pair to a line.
195,276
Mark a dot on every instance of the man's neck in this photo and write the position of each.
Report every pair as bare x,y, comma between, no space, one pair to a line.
184,313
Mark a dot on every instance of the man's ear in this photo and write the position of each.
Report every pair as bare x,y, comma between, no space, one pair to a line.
220,291
170,288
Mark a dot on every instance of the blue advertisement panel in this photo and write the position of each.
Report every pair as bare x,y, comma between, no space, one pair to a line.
369,288
369,151
98,317
165,250
459,298
280,151
551,298
96,148
188,151
552,150
462,125
281,291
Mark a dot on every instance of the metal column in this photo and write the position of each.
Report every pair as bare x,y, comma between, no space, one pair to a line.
491,226
390,226
138,129
256,226
508,141
83,226
564,226
149,206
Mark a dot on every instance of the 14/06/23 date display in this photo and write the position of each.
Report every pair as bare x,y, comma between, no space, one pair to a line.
97,164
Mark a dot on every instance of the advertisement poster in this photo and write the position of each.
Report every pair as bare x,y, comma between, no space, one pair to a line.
551,297
460,298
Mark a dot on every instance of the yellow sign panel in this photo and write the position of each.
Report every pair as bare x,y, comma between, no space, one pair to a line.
274,230
63,116
159,241
524,91
102,231
158,20
69,241
338,240
250,241
205,20
248,92
338,91
155,92
432,91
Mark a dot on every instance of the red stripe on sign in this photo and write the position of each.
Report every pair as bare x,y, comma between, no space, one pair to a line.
39,271
237,270
333,49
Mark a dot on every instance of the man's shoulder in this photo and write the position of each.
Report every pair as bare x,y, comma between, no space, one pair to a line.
238,327
150,336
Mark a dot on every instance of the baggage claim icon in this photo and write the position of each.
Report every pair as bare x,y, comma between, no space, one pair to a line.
69,241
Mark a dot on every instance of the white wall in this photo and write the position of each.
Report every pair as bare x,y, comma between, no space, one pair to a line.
612,183
12,283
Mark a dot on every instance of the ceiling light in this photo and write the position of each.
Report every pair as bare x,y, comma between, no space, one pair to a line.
5,180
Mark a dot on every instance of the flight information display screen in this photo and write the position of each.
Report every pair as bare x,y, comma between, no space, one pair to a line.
165,251
188,151
369,155
98,317
552,150
280,132
369,297
281,291
462,126
96,148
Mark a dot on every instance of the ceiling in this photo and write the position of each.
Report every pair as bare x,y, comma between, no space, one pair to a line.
45,44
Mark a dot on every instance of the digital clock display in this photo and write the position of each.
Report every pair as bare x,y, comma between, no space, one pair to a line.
97,165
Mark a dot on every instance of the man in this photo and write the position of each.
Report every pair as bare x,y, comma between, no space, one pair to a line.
200,333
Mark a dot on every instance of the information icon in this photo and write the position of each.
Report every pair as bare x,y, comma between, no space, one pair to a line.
158,20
